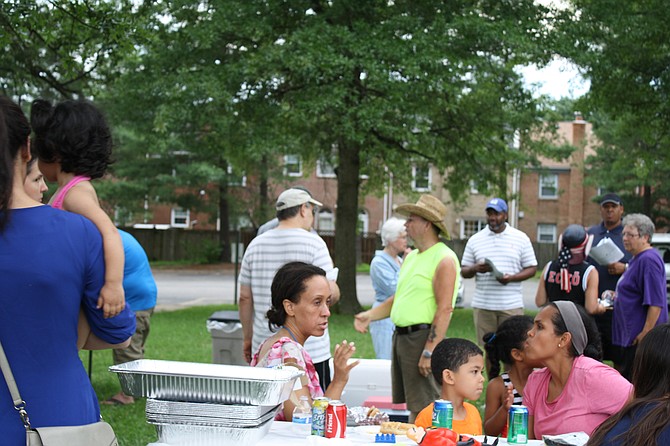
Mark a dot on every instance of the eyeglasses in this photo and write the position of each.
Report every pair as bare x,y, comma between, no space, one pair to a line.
314,208
629,234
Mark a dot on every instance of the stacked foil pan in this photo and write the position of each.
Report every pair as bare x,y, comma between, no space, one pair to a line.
207,404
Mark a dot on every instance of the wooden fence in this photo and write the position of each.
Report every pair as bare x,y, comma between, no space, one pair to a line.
203,246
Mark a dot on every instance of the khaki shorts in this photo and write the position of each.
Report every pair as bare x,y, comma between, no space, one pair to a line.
136,348
488,321
408,385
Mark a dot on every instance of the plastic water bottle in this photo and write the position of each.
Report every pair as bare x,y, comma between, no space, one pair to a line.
302,417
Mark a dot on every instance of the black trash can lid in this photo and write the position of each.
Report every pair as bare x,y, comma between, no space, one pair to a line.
225,316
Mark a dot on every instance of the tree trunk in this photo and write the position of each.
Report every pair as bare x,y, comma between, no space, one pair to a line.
224,216
348,173
263,190
647,204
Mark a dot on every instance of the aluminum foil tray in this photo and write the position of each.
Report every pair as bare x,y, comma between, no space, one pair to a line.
214,383
232,411
190,435
206,414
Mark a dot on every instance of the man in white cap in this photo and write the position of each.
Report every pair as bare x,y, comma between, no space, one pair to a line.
422,306
498,293
290,241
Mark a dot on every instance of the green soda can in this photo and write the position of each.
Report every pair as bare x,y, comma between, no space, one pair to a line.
319,406
443,414
517,430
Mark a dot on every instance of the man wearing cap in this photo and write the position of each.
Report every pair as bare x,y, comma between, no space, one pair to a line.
611,212
290,241
498,293
422,306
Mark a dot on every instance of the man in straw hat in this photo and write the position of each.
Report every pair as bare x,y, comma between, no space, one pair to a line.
421,308
498,293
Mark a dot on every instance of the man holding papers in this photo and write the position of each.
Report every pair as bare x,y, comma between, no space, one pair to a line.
611,212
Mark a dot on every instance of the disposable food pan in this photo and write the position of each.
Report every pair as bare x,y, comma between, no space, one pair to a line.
191,435
208,414
215,410
214,383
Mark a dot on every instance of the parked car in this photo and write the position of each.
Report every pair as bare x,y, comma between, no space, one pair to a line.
661,242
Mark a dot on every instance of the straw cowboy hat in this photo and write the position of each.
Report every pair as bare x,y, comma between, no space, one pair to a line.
429,208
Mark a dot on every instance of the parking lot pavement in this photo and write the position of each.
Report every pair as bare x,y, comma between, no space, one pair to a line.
181,288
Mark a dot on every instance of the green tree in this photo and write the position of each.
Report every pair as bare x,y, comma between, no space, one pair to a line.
623,49
62,48
386,83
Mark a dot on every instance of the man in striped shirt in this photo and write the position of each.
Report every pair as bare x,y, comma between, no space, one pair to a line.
501,257
290,241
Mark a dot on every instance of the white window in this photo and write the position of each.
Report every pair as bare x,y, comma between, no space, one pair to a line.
180,218
549,185
324,169
234,179
325,220
546,233
363,222
602,191
421,178
473,188
471,226
293,165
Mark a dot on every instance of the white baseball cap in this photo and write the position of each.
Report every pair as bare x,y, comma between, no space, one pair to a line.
294,197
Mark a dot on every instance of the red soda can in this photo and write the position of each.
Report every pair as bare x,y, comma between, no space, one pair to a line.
336,419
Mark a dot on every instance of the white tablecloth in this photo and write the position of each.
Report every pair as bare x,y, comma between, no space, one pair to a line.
283,434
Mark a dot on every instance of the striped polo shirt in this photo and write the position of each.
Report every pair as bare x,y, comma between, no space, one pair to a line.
511,251
264,256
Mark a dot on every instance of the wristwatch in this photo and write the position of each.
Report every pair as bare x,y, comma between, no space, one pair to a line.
427,354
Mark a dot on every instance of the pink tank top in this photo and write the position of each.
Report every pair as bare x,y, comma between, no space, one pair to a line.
60,196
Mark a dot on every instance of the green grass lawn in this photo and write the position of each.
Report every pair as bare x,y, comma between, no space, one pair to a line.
182,336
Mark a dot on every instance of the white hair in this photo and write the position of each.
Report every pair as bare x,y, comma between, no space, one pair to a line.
391,230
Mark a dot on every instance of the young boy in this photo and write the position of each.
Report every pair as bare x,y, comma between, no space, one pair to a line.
457,364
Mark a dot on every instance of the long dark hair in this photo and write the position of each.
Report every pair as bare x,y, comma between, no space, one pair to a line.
511,334
289,283
16,131
651,395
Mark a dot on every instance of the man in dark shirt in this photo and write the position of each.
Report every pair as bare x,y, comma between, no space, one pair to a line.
611,212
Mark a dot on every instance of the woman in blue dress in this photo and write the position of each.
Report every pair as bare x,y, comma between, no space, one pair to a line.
384,270
51,266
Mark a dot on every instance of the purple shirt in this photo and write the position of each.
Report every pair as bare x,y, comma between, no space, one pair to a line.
641,286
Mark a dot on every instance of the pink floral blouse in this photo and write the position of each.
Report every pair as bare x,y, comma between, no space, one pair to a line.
285,348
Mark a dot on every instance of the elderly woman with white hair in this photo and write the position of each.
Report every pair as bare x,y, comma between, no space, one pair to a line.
384,274
641,298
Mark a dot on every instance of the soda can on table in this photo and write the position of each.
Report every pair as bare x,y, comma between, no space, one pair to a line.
336,419
443,414
319,406
517,429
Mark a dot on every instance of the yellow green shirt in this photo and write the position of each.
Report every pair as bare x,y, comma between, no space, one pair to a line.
414,301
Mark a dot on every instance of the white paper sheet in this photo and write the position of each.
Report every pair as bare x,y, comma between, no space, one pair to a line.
606,252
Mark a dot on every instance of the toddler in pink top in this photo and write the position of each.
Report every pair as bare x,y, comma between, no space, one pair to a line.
74,145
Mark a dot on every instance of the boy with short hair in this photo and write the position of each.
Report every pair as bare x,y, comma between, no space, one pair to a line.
458,365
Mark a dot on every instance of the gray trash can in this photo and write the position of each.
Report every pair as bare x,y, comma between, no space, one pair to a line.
226,331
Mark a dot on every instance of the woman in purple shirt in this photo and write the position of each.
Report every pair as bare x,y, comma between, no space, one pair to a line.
641,299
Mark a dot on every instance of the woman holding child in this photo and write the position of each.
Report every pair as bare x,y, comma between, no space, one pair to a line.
574,392
300,308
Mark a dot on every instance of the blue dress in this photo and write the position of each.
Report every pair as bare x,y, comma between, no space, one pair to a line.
384,274
51,264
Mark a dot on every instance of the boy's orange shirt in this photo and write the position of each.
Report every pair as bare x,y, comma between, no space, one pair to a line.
470,425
